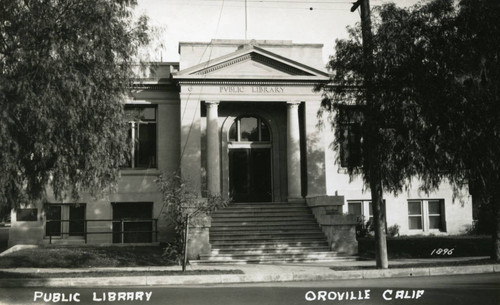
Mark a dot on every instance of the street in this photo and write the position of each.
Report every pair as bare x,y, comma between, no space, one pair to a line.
451,289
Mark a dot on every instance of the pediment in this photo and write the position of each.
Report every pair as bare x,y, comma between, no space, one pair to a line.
251,62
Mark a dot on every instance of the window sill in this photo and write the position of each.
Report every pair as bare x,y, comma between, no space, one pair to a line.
140,172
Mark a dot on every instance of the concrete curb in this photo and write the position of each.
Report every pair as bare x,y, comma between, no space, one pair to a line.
245,278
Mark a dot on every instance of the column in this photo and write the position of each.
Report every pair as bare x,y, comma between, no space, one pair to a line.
293,151
213,148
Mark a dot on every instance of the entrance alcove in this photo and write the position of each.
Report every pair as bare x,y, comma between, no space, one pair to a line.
252,155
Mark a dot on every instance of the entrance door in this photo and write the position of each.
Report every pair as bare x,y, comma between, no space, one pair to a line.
250,174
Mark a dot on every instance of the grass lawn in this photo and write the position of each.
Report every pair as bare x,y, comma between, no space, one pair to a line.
18,275
85,257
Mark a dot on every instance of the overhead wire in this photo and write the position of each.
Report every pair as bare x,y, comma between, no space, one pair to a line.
318,5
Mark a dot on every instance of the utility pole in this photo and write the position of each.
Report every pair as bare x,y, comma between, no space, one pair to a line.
370,132
246,21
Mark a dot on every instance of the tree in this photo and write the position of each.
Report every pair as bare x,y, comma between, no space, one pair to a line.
469,138
64,73
453,70
436,91
390,155
183,208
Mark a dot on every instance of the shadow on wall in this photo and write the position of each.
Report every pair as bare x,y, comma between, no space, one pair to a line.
315,166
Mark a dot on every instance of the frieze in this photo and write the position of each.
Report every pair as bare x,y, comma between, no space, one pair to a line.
251,89
232,83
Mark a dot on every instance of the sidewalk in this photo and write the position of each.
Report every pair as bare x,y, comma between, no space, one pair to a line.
252,273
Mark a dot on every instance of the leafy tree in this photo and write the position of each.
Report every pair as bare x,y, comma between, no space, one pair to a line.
470,140
435,97
64,73
183,208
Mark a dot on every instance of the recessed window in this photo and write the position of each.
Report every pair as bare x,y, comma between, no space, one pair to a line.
415,215
249,129
355,208
426,215
132,222
142,136
363,209
436,215
65,220
350,137
26,214
53,225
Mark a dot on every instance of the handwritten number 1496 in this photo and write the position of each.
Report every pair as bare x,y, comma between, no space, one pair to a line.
440,251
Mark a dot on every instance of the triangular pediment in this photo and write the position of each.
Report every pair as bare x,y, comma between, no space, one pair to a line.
251,62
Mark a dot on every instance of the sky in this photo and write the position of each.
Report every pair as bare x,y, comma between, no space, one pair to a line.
302,21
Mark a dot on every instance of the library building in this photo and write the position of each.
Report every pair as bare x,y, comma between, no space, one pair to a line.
240,119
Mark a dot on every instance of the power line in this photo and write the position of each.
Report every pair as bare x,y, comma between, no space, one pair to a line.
311,8
273,1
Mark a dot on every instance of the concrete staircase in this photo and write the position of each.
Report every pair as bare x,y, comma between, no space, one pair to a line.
267,233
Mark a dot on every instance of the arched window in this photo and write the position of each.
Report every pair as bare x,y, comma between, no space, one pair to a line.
249,129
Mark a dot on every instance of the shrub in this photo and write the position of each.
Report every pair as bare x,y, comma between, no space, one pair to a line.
181,207
393,230
364,228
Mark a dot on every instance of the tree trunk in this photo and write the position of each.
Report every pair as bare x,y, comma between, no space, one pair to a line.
495,254
186,240
378,219
371,149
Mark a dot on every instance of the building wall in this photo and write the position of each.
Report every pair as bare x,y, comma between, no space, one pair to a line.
458,207
181,141
135,185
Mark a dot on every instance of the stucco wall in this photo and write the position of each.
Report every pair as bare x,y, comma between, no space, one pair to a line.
133,186
458,207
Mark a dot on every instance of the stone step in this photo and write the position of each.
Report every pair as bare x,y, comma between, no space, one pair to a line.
264,233
231,224
252,251
309,254
260,218
268,209
268,238
273,260
266,204
267,228
262,214
237,244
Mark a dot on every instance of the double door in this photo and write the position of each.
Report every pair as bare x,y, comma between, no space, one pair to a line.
250,174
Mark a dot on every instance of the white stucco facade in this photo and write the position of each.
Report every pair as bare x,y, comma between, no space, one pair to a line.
240,119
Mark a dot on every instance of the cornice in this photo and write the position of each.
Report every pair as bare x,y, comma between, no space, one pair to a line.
251,82
149,86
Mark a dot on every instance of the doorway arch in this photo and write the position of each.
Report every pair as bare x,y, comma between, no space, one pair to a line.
249,159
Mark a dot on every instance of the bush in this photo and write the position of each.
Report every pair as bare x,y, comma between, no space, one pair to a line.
393,230
182,206
428,246
364,228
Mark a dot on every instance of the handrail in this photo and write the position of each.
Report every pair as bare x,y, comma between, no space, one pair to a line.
121,231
